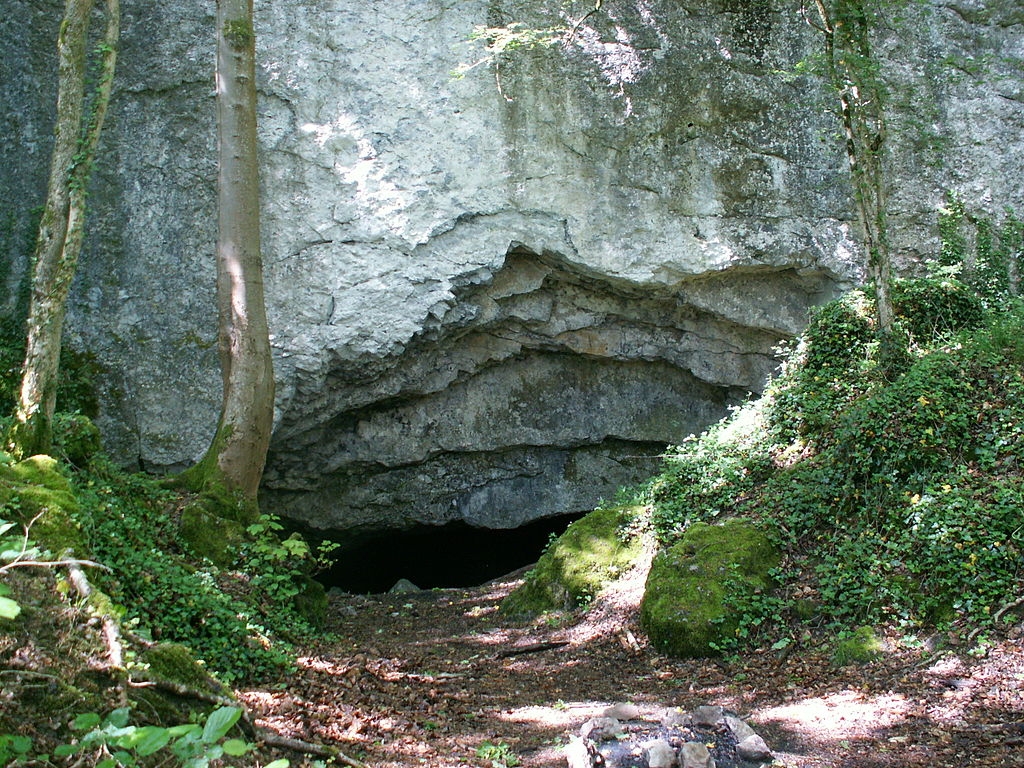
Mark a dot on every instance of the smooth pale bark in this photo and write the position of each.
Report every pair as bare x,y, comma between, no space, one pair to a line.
61,229
849,65
234,462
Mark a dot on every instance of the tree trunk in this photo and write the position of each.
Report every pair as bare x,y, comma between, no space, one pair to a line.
61,229
850,70
234,462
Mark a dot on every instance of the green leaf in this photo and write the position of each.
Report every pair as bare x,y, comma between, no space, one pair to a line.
65,750
282,763
119,717
85,721
182,730
148,739
8,608
21,744
236,747
219,723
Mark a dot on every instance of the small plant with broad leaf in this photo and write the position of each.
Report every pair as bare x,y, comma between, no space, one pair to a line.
113,742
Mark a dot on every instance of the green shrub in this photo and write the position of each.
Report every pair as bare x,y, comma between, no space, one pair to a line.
933,309
214,610
896,498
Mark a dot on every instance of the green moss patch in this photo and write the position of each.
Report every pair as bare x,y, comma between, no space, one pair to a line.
175,663
860,647
35,489
593,551
210,536
687,609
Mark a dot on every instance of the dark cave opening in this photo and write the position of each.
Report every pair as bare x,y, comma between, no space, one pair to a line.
430,556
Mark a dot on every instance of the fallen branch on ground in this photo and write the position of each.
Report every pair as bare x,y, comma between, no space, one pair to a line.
532,648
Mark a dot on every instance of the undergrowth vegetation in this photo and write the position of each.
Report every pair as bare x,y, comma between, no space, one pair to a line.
239,617
890,474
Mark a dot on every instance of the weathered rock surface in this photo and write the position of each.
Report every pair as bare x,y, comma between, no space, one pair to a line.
489,295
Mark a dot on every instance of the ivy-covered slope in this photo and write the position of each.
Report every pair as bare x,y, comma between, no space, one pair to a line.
890,474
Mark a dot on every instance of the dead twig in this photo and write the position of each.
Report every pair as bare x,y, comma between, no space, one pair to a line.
319,750
111,629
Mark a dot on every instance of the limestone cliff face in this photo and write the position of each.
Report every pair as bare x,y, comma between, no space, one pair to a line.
494,298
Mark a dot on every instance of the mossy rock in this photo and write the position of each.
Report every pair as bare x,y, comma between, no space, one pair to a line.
175,663
210,536
593,551
35,489
311,601
860,647
685,609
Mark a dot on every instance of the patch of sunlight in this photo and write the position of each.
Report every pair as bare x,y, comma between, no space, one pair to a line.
563,716
320,664
354,158
838,716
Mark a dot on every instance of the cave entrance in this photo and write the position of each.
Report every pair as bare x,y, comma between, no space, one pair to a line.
431,556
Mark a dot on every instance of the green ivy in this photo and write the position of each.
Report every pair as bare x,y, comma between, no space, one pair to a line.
895,497
113,742
237,629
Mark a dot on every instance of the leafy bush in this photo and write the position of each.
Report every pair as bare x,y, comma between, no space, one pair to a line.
826,369
113,742
895,498
932,309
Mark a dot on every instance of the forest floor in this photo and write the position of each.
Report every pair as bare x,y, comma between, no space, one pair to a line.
429,678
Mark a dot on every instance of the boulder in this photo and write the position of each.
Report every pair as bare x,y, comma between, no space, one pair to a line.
685,610
593,551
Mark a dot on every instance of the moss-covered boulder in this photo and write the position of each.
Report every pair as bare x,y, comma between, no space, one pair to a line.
861,646
593,551
36,490
209,535
685,610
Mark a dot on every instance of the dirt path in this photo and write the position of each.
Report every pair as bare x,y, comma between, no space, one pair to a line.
428,679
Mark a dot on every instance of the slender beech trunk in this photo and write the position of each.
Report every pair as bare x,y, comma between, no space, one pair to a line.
61,229
850,69
234,462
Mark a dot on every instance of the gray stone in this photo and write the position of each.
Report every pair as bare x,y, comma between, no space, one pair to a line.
708,716
601,729
402,587
693,754
674,717
739,728
754,749
623,711
638,216
578,754
660,754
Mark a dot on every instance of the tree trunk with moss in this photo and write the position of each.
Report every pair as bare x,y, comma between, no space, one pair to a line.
852,72
233,464
62,227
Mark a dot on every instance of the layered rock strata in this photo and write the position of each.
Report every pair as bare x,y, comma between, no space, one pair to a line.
490,294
